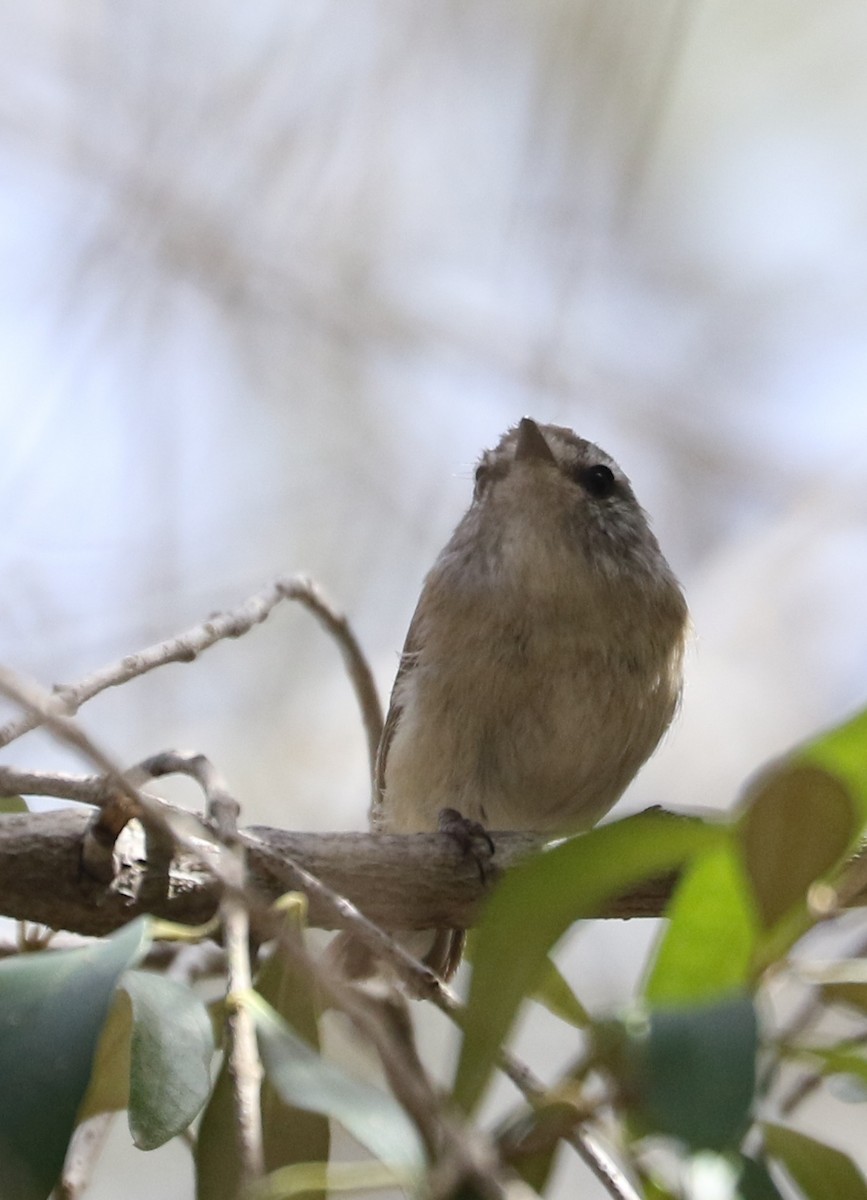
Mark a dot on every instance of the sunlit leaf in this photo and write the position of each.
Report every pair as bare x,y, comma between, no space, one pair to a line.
707,949
53,1006
798,824
307,1081
13,804
843,753
820,1171
554,993
315,1178
534,906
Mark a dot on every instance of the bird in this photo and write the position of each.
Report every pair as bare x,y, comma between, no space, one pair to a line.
544,659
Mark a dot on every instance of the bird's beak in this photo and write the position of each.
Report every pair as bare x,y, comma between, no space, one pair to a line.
531,444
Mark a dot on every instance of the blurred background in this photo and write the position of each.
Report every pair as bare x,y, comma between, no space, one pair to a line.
272,275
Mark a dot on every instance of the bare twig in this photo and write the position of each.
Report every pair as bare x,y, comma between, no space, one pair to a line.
66,699
245,1067
242,1057
86,789
307,593
41,706
84,1149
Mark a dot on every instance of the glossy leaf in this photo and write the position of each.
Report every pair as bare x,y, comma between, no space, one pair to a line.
307,1081
53,1005
820,1171
534,906
799,823
707,949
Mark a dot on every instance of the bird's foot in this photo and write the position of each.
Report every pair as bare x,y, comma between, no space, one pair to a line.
472,838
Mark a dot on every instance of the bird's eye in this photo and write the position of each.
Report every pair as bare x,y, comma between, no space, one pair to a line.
483,474
598,480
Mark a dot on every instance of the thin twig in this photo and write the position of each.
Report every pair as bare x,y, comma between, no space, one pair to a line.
66,699
242,1056
84,1150
86,789
40,706
306,592
167,828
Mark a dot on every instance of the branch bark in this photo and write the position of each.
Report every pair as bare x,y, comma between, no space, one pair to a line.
410,882
419,881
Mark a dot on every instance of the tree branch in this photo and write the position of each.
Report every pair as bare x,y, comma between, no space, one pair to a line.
417,881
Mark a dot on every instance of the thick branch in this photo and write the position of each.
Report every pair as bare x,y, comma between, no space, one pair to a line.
418,882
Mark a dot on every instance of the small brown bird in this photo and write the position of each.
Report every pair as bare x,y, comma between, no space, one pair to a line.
544,660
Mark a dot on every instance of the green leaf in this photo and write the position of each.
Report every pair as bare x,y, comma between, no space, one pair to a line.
820,1171
304,1079
755,1182
799,823
108,1090
218,1169
170,1057
13,804
845,1059
707,949
843,753
291,1134
53,1005
534,906
554,993
154,1058
652,1189
317,1178
691,1073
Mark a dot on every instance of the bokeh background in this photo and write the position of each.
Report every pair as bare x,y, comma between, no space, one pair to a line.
271,275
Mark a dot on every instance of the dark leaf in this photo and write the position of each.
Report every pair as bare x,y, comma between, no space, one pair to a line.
53,1006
